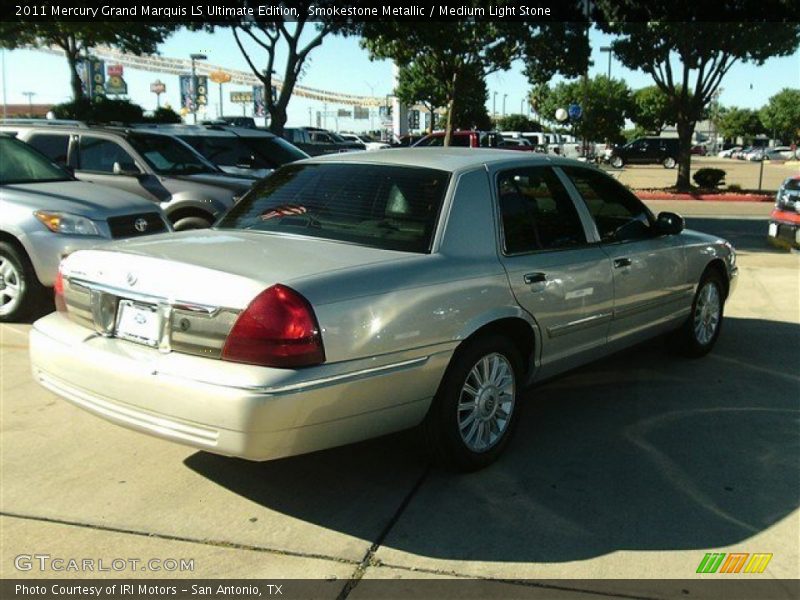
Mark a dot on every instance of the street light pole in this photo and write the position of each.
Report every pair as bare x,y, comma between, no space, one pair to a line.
195,57
494,105
504,104
610,51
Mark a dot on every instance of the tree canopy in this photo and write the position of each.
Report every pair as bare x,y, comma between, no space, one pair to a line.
485,46
689,59
781,115
734,122
650,109
517,123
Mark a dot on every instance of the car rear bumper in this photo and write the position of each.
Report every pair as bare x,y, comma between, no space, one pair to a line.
784,227
226,408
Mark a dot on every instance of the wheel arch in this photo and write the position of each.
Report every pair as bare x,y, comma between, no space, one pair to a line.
717,265
519,327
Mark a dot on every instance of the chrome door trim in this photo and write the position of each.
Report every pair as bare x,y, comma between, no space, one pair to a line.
580,324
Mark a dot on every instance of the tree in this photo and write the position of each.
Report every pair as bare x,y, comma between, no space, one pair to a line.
517,123
687,60
736,122
76,39
650,109
475,44
781,115
604,103
416,84
279,36
470,111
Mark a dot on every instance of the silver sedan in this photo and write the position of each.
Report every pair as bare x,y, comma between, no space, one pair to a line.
354,295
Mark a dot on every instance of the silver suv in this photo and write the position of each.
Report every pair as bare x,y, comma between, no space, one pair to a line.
48,214
155,166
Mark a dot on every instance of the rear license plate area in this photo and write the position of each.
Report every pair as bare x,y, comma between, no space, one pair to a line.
138,322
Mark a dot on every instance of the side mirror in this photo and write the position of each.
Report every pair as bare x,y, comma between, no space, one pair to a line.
129,169
668,223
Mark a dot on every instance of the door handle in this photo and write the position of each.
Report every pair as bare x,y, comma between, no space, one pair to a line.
535,278
622,262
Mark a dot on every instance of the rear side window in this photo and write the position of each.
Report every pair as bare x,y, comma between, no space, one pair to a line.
225,151
537,212
53,146
99,155
381,206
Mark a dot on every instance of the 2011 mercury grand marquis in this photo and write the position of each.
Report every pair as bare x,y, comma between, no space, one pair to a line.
354,295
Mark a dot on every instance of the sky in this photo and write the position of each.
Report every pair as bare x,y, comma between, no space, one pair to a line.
341,65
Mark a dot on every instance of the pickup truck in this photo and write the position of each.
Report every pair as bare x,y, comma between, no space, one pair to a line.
316,141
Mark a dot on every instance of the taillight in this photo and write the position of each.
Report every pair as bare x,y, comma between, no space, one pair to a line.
58,288
277,329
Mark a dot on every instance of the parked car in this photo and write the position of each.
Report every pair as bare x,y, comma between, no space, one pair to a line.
646,150
784,222
740,154
369,143
516,144
240,151
779,153
699,150
755,155
153,165
352,295
464,139
729,152
315,141
48,214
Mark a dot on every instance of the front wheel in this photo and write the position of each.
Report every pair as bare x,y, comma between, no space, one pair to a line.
20,290
616,162
700,331
475,409
192,222
669,163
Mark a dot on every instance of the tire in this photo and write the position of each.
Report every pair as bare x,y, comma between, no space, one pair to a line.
465,432
616,162
21,294
699,333
193,222
669,163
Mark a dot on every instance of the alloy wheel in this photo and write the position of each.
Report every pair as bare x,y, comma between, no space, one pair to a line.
11,286
707,313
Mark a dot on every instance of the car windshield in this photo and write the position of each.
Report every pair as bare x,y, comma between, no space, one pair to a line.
275,151
793,184
22,164
169,156
381,206
336,137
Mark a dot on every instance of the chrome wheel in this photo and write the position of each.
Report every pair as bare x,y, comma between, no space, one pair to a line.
11,286
707,313
669,162
486,402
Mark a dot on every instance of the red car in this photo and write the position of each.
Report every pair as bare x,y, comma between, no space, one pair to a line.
784,222
463,139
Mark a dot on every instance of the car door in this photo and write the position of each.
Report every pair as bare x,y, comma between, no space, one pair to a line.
556,274
649,270
97,156
637,152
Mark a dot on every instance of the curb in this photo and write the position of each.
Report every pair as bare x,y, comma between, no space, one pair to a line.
655,195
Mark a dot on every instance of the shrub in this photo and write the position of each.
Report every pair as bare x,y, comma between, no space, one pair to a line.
101,110
709,178
734,187
164,114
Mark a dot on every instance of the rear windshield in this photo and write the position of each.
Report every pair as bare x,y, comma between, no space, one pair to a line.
388,207
793,184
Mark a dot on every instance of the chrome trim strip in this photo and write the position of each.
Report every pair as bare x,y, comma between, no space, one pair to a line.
146,298
584,323
621,313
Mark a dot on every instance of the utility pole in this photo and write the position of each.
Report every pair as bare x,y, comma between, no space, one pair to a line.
610,51
30,96
504,104
494,105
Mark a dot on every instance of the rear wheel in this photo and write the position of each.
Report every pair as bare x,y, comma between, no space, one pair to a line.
700,331
475,409
20,291
669,163
617,162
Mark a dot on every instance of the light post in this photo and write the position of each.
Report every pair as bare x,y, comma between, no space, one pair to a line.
504,104
494,105
220,77
195,57
610,51
158,88
522,106
30,96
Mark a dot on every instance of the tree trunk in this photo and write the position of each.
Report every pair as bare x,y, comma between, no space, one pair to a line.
75,79
685,131
450,106
277,118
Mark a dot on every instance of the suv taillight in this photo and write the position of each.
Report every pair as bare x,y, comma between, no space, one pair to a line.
277,329
58,288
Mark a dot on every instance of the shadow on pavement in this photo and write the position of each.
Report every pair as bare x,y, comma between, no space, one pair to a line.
748,235
640,451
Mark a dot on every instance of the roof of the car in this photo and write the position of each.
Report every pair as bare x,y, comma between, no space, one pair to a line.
445,159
